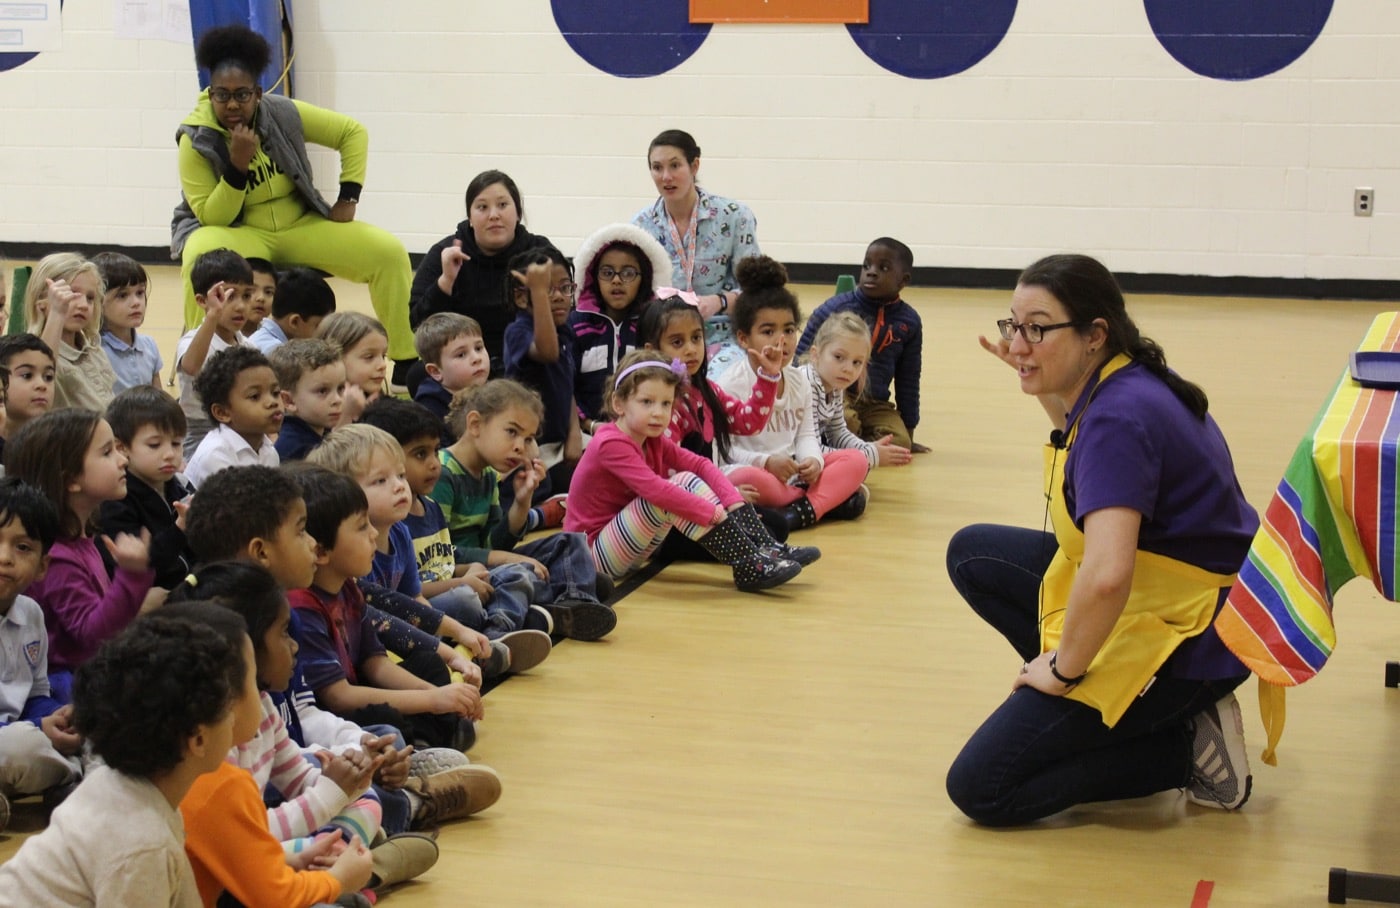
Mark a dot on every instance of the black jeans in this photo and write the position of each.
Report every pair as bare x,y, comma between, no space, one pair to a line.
1036,754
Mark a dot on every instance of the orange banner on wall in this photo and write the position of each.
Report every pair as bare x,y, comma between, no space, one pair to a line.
837,11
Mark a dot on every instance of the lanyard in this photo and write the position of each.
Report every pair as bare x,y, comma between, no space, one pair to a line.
685,247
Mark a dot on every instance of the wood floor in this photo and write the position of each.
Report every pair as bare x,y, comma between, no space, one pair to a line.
790,748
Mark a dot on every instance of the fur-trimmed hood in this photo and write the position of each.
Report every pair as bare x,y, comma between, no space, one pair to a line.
601,241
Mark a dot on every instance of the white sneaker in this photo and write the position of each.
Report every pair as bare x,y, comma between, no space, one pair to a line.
432,760
1220,765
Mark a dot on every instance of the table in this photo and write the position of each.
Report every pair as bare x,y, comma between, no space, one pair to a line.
1335,516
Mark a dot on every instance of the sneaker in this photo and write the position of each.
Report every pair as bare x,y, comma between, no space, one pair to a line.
538,619
761,572
456,793
524,649
464,735
552,510
432,760
581,619
852,507
1219,764
497,664
401,858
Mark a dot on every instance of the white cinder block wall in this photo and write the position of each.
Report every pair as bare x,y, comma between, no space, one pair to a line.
1078,132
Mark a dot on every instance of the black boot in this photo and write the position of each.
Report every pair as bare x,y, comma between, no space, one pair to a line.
852,507
799,514
753,570
754,528
774,522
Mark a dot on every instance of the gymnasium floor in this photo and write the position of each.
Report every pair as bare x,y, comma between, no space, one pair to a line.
789,748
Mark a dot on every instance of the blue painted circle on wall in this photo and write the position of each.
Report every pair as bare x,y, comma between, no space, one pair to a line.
10,61
1237,39
931,39
630,38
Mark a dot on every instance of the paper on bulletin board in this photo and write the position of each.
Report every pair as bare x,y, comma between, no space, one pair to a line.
30,26
168,20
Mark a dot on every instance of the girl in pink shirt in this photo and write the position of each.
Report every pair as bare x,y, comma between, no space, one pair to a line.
633,486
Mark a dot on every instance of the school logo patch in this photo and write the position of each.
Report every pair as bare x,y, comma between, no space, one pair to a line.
31,652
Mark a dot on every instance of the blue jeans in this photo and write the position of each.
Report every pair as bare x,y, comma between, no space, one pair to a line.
1036,754
463,605
572,574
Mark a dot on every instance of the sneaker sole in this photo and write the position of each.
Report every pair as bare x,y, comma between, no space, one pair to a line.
433,760
527,649
582,620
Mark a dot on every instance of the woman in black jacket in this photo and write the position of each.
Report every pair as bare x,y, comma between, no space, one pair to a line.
466,272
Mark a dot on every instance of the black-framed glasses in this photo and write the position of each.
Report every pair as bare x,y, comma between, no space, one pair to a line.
223,95
626,275
565,289
1033,333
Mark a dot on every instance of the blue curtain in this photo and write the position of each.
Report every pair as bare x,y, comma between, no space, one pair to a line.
270,18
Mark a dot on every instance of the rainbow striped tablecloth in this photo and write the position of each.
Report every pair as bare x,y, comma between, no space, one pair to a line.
1334,517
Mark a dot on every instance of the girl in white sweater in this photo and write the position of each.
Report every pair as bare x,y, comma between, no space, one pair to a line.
783,463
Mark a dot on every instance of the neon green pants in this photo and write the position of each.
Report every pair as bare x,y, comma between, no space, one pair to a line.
353,250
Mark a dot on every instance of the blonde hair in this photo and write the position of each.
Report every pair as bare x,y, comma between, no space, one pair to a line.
844,325
621,390
64,266
490,399
346,329
348,449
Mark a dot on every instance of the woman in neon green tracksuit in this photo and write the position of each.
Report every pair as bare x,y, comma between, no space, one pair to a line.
248,185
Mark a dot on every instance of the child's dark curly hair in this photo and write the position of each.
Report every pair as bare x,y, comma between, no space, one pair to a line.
233,46
764,282
215,381
403,419
148,690
235,506
35,512
246,588
523,260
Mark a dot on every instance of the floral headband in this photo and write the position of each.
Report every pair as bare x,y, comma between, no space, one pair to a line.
676,367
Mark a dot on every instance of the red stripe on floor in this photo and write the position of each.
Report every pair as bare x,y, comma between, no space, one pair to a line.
1202,897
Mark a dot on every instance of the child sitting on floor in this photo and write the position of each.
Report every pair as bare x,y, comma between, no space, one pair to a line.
38,746
363,343
156,704
72,457
243,401
636,486
29,366
311,374
341,655
302,299
63,305
149,427
134,357
839,355
223,285
454,354
263,297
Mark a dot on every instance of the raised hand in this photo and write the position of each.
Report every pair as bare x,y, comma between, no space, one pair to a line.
131,553
452,260
243,146
770,358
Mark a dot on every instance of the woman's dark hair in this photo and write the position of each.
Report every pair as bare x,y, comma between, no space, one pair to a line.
656,318
50,453
523,260
148,690
764,282
1089,291
676,138
246,588
233,46
488,178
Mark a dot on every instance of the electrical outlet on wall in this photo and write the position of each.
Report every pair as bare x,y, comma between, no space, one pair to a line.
1363,201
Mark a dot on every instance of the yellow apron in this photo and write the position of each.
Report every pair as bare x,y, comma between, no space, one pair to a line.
1169,602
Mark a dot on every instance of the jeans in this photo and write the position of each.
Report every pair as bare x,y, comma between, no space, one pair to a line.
505,611
463,605
572,574
1037,754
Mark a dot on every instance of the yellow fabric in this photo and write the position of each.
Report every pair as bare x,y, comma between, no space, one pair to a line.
1169,602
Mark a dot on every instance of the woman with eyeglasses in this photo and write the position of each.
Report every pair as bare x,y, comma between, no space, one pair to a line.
620,268
247,185
1124,689
466,271
705,236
